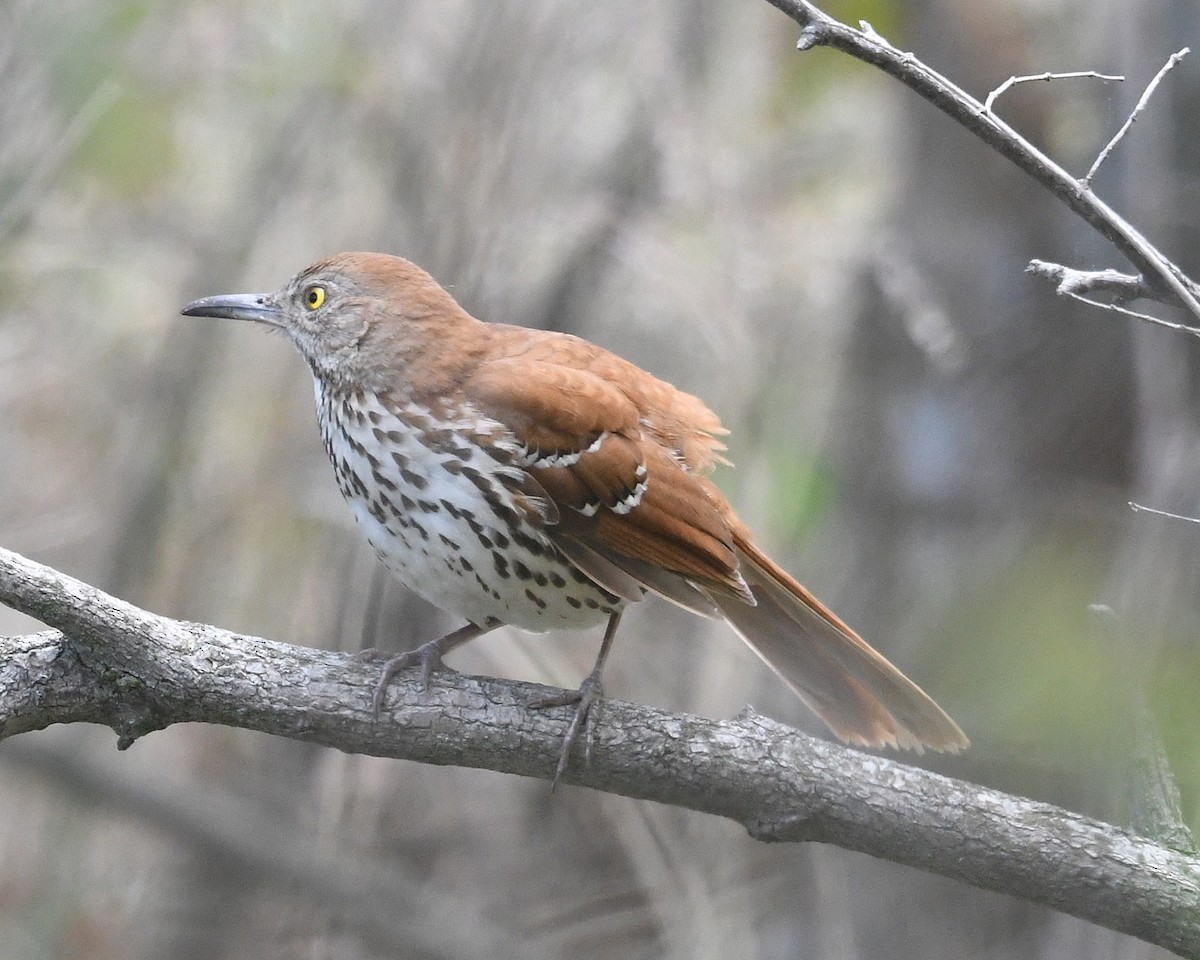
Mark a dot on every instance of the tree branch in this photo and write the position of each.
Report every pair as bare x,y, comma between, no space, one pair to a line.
136,672
1082,285
1162,277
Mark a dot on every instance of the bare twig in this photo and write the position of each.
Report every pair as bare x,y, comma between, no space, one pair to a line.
875,35
1086,182
1132,314
1072,75
819,29
1122,287
138,672
1139,508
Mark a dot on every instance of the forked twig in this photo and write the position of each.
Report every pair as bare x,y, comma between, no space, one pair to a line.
1086,182
819,29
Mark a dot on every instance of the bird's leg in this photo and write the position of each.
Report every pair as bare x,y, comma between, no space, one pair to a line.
428,656
588,697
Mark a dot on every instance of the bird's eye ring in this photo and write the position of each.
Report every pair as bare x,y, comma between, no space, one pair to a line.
314,296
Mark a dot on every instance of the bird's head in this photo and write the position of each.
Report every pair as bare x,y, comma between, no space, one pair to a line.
358,318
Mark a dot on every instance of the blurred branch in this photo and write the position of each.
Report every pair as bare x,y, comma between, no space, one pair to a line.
136,672
17,207
395,909
1155,807
1163,280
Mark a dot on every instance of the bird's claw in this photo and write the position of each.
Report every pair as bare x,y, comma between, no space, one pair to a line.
589,699
428,656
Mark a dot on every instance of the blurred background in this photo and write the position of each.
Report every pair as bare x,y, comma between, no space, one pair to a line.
928,438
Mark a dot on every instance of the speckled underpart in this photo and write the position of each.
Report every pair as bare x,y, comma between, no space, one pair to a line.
448,517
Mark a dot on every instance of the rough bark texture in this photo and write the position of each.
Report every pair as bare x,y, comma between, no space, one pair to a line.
137,672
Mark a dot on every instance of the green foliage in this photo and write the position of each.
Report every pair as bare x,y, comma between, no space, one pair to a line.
1052,682
1176,708
131,148
1046,671
808,80
885,16
804,491
88,52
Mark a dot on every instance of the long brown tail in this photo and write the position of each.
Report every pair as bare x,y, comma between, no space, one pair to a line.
859,694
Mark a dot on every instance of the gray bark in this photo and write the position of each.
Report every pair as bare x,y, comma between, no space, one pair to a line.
112,663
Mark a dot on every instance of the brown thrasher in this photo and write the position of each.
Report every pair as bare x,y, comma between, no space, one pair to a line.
524,477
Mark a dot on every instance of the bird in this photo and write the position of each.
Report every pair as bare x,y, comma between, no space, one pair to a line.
526,477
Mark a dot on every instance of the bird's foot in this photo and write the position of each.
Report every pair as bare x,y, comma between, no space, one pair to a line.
428,656
589,700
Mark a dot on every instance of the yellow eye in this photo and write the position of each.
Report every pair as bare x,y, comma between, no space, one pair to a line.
314,296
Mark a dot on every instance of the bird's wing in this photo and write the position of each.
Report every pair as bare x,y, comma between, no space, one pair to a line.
631,510
619,493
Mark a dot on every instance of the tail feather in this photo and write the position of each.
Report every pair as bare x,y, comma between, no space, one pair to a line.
854,689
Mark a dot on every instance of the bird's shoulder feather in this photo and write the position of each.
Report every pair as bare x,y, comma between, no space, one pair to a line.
620,453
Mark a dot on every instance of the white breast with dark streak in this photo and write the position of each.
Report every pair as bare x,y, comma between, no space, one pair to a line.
438,510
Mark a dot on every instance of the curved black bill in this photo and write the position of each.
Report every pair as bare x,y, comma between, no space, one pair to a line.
236,306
